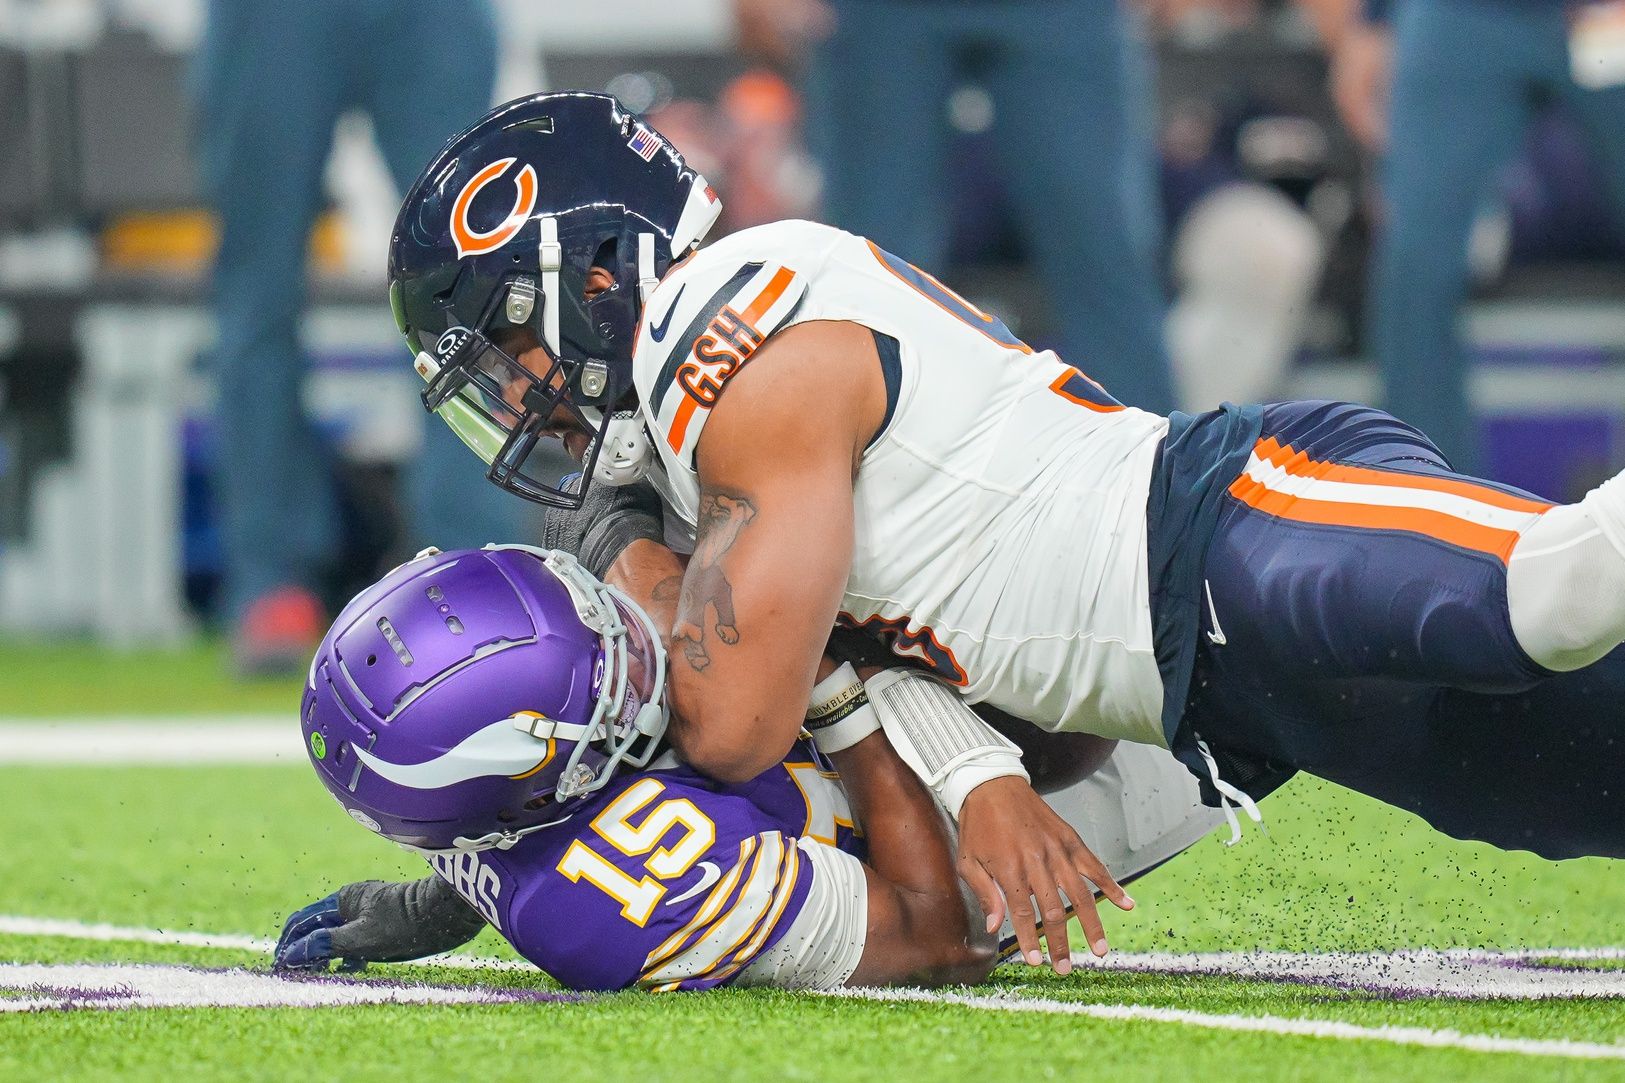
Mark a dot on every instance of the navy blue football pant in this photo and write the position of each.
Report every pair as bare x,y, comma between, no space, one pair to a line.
1468,75
1071,88
273,76
1359,631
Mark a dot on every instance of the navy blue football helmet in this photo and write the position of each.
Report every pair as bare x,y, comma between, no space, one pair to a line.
490,258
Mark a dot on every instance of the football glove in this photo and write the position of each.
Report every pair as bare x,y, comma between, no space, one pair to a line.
611,517
374,921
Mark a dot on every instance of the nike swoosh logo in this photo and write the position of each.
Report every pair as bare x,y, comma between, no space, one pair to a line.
1216,636
709,874
657,331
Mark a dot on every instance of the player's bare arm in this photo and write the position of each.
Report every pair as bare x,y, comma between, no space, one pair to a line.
763,588
774,544
920,931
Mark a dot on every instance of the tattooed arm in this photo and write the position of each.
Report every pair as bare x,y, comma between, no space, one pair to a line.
776,462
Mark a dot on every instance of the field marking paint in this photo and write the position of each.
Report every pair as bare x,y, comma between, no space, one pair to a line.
18,925
103,742
119,987
1462,974
64,986
1258,1024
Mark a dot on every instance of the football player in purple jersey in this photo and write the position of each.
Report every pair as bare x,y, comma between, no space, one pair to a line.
502,712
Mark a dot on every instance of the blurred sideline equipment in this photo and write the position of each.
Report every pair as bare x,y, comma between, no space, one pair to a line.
273,78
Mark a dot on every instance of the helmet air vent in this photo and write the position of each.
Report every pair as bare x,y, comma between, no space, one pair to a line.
542,125
394,641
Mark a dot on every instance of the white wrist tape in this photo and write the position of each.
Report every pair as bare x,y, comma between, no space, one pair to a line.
940,738
840,715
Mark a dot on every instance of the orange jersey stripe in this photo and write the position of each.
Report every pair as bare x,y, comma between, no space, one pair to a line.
1433,524
770,293
1301,465
679,423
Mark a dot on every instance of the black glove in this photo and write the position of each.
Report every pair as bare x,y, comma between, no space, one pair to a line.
374,921
610,518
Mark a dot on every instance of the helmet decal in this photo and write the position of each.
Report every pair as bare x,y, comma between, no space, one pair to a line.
472,242
497,749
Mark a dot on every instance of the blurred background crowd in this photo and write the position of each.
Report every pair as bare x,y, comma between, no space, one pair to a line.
206,419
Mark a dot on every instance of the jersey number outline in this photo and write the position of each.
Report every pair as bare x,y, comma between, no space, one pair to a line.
827,807
932,289
639,896
1072,384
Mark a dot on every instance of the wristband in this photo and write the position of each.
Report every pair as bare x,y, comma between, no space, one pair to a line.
940,738
840,715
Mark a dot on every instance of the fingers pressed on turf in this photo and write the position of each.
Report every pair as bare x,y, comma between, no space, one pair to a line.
1018,895
1093,931
1053,908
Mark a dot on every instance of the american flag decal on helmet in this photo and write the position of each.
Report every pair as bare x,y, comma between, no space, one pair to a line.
644,143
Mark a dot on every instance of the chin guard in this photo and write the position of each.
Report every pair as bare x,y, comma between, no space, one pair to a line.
625,452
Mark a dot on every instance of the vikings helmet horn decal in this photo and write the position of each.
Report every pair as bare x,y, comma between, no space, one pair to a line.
472,242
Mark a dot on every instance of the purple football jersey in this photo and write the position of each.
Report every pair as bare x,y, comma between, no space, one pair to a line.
664,879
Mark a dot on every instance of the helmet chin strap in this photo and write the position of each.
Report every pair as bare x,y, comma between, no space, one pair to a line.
646,267
551,262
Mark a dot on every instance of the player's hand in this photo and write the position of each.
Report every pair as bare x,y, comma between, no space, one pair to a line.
307,938
1361,78
374,921
1014,849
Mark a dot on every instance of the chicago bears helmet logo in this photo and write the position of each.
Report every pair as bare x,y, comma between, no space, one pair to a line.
473,242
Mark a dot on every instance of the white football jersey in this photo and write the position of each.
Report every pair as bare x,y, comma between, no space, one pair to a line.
1000,512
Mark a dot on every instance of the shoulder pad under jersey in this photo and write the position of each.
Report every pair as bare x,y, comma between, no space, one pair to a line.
705,320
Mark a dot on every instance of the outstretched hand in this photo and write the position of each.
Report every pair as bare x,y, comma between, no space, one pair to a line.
1013,850
374,921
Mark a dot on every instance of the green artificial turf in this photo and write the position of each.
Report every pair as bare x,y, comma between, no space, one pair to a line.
233,850
55,677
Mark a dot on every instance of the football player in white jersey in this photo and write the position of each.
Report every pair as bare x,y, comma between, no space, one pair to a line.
840,438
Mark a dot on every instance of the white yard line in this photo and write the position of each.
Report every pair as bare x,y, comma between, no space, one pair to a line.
1464,973
208,739
121,987
16,925
1258,1024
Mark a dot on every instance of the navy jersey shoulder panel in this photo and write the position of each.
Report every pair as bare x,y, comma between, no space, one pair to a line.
891,368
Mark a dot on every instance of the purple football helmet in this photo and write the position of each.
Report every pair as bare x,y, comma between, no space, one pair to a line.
457,702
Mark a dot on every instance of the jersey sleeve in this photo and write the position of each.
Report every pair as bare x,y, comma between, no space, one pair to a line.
824,944
666,886
700,326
